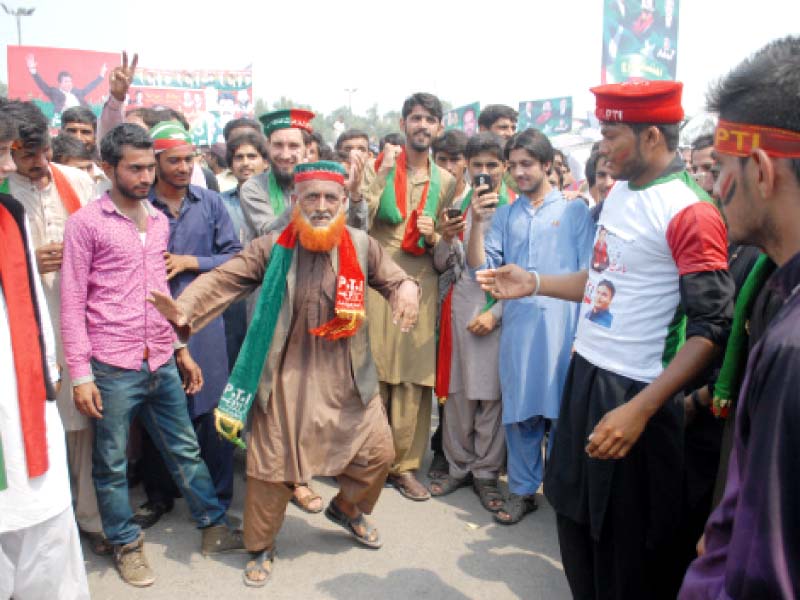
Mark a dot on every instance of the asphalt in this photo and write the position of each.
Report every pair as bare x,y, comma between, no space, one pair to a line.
447,548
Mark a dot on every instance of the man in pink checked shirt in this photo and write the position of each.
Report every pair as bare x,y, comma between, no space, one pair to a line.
119,351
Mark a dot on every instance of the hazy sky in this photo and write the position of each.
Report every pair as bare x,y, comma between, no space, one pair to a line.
311,51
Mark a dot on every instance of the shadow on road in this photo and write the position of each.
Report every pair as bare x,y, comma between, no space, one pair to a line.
402,583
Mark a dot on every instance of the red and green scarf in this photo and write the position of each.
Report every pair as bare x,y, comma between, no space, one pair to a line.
444,357
26,345
393,207
239,393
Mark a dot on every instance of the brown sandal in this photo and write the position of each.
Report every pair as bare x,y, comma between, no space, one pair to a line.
303,502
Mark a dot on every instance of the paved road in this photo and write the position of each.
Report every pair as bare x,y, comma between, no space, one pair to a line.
443,549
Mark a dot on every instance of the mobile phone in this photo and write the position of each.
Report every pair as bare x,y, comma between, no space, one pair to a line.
453,213
482,179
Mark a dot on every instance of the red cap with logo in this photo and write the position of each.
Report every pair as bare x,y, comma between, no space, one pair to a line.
640,101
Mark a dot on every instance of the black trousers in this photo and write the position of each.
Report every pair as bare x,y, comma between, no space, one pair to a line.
616,518
436,439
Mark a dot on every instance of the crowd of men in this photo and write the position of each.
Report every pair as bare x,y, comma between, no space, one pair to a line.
628,341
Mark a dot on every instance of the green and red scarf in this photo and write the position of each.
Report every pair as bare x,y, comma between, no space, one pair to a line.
444,356
239,393
393,206
726,388
16,276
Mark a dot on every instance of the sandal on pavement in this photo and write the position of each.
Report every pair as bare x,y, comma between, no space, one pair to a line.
489,493
439,467
371,538
410,487
515,507
304,500
448,484
260,564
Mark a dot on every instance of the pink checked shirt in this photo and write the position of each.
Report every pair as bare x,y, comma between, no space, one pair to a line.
106,277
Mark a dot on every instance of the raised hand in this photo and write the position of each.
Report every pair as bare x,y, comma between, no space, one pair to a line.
120,79
390,154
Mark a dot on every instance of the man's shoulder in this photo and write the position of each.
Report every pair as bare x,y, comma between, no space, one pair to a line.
258,183
205,195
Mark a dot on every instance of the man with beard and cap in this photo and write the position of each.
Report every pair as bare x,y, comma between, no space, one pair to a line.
751,547
615,471
306,361
265,197
201,237
406,194
123,357
50,193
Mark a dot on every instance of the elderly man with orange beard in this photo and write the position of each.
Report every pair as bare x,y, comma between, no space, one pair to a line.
306,361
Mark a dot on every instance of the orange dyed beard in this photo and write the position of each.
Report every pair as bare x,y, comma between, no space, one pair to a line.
318,239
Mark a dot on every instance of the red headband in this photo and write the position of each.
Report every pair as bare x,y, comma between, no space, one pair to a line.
160,144
740,139
317,175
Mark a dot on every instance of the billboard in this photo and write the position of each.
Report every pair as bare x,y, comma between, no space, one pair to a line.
57,79
464,118
640,40
552,116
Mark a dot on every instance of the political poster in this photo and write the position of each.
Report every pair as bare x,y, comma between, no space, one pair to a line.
58,78
464,118
552,116
640,40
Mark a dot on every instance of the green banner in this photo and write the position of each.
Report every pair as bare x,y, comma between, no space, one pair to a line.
464,118
640,40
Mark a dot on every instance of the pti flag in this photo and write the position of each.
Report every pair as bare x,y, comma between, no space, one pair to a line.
552,116
464,118
640,40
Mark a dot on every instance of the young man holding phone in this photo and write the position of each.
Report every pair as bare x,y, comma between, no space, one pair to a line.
540,231
469,338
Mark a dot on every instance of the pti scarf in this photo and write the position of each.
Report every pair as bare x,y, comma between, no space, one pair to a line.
727,385
239,393
444,356
393,206
275,195
26,345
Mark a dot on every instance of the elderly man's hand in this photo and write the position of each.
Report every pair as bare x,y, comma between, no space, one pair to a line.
407,306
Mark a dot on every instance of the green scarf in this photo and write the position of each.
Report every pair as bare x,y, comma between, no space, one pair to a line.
3,480
393,204
5,187
239,393
733,364
276,198
465,204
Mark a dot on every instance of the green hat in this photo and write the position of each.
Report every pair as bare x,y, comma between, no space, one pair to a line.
286,119
169,134
326,170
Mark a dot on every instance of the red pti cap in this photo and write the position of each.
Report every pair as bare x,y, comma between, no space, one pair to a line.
640,101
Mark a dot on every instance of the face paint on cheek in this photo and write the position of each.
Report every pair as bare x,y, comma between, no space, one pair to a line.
727,190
